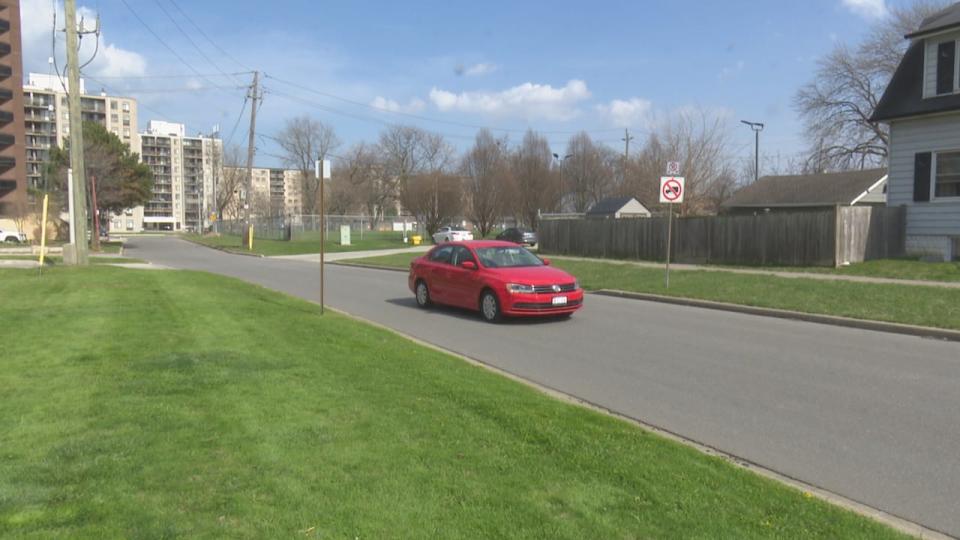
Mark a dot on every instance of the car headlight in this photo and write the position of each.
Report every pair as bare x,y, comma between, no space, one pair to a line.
516,288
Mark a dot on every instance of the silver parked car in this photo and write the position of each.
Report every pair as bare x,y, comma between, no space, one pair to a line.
452,233
518,235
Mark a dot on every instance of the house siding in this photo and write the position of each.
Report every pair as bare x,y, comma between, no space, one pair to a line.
907,138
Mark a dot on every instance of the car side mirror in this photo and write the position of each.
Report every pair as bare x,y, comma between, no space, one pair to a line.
469,265
546,261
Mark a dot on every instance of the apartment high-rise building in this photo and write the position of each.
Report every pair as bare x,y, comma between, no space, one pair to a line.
13,183
48,121
276,192
184,180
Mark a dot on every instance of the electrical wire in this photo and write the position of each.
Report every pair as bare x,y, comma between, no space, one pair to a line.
191,41
178,76
164,43
436,120
205,36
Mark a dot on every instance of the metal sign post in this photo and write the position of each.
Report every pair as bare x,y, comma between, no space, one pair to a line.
322,171
671,193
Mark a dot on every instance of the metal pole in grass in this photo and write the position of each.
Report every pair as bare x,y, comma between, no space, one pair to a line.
322,172
43,232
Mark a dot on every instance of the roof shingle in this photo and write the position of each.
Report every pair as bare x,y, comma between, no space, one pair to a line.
805,190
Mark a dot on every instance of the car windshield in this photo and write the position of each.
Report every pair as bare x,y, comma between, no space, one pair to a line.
507,257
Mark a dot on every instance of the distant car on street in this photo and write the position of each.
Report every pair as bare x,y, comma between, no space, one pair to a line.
518,235
493,277
452,233
10,235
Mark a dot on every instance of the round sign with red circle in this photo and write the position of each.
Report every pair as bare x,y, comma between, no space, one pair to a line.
671,189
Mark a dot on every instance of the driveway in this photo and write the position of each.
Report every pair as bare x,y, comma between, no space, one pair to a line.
868,415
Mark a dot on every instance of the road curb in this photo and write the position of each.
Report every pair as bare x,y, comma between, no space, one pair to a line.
218,248
809,490
369,266
862,324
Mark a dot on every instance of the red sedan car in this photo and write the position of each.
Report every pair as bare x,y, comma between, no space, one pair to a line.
496,278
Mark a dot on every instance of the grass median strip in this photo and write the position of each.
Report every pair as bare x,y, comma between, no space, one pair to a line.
305,244
904,304
145,404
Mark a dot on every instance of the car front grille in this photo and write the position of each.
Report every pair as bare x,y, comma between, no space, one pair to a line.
549,289
544,306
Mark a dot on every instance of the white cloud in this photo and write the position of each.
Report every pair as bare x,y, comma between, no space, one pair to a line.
868,9
412,106
112,61
626,113
482,68
528,100
36,20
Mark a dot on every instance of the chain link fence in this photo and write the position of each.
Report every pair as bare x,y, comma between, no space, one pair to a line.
307,227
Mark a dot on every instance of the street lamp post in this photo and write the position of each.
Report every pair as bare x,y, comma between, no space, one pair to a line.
757,127
561,160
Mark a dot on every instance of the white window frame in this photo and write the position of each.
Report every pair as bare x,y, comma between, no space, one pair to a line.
934,165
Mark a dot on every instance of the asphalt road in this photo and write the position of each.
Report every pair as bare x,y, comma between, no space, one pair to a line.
872,416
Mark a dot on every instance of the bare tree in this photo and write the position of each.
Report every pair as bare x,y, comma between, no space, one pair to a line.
836,106
434,198
697,139
231,183
588,171
485,171
408,151
533,186
305,140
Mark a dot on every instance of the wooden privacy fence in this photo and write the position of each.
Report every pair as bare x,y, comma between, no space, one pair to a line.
828,237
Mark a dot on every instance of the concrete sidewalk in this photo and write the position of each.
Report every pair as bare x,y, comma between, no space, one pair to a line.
346,255
762,272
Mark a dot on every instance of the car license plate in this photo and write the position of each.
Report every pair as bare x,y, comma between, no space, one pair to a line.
559,300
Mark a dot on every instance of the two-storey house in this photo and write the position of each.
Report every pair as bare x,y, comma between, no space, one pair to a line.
922,107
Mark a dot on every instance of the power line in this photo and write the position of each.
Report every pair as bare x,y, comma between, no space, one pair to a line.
164,43
430,119
237,123
204,34
179,76
326,108
190,39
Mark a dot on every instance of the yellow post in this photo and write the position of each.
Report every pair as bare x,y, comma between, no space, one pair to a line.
250,238
43,231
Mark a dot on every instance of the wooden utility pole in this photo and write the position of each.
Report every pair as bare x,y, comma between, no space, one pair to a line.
626,152
254,96
79,224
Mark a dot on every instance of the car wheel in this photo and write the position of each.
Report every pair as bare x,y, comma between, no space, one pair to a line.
12,239
423,294
490,307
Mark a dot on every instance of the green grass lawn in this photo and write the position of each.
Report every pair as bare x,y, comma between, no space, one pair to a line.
165,404
57,259
907,304
884,268
306,244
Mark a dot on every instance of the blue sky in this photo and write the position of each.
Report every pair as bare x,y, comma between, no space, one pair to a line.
555,66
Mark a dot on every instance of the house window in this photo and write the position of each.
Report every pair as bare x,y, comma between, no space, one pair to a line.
946,65
946,180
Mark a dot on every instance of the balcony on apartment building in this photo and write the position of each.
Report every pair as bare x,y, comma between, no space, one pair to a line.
7,140
5,49
5,72
6,117
7,163
5,95
4,26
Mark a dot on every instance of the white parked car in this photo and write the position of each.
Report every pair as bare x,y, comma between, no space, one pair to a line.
451,234
12,235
